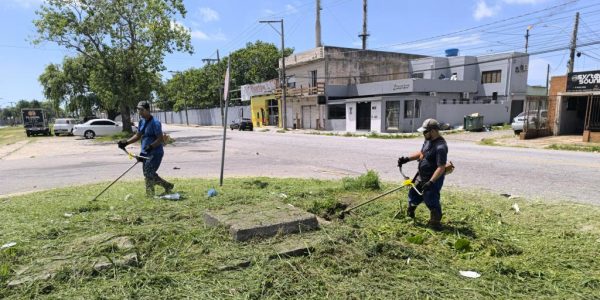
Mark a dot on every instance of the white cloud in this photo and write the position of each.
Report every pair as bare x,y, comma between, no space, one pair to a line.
290,9
208,14
199,35
524,1
24,3
443,43
484,11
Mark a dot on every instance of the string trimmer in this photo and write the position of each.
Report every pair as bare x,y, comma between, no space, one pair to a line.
138,159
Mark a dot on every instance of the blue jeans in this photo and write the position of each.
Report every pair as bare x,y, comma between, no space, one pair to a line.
151,165
431,197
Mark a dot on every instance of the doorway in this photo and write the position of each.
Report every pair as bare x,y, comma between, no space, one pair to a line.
363,116
309,116
573,115
273,108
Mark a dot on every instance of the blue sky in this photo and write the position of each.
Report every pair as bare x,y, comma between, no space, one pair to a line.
428,27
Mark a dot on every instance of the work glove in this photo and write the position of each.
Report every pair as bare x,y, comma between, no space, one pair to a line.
148,148
122,144
402,160
139,159
427,185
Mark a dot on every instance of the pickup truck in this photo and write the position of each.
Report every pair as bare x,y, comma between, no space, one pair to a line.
64,126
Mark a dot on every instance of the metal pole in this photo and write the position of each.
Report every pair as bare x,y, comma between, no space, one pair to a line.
547,80
185,100
225,123
284,81
526,39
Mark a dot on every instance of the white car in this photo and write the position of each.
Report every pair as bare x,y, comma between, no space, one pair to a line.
64,126
99,127
534,120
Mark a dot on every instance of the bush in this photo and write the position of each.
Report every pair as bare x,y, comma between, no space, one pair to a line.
369,181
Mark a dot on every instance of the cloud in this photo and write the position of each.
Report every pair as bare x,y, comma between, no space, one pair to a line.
484,11
533,2
199,34
208,14
24,3
443,43
288,10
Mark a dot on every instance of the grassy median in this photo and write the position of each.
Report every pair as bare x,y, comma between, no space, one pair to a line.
547,250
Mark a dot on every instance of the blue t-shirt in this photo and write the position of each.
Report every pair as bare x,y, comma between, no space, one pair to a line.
435,154
150,130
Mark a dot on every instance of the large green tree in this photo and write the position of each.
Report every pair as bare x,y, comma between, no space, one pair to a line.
124,40
257,62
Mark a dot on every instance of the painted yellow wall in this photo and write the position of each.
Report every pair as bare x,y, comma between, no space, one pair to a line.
261,102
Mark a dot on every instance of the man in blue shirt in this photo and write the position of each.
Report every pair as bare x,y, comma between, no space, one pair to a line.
432,167
150,132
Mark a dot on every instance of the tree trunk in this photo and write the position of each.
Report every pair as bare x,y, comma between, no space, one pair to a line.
126,117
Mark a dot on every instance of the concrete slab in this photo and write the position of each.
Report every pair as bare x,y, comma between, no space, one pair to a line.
261,220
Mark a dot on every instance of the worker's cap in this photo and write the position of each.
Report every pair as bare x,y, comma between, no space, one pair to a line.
429,124
143,104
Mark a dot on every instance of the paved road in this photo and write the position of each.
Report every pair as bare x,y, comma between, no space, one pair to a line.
51,162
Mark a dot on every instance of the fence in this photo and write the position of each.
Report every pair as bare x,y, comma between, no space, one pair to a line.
204,117
535,117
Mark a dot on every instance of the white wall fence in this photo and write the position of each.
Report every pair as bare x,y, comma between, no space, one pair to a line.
204,117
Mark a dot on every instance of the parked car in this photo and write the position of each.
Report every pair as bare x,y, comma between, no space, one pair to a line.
243,124
99,127
35,121
64,126
533,119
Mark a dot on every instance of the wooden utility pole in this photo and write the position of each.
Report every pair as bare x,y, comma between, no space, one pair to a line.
571,62
364,33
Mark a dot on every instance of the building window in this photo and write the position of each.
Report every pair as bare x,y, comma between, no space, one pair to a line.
491,76
313,78
392,116
412,109
417,75
336,112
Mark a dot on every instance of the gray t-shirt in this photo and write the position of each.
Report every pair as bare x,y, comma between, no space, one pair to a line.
435,153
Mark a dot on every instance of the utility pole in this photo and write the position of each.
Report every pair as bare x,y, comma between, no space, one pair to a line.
547,80
283,80
527,37
364,33
571,62
209,61
318,26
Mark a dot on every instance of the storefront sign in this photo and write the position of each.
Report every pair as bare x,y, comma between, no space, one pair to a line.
583,81
262,88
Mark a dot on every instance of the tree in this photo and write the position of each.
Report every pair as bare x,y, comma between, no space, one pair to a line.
257,62
124,40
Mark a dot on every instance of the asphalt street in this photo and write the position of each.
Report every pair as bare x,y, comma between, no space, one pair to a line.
53,162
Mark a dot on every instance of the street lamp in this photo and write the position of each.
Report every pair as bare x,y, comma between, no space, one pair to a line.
283,79
184,98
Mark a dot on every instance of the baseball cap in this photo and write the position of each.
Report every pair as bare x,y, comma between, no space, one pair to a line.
429,124
143,104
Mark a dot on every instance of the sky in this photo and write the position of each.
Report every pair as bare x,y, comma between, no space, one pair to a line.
475,27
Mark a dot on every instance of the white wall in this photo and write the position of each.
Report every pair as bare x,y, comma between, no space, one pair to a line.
351,117
376,113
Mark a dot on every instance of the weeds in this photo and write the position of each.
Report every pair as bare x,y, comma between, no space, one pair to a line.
547,251
574,147
368,181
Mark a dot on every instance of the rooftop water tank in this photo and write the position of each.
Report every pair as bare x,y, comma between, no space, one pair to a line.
451,52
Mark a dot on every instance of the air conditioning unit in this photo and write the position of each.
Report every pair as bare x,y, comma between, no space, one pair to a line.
433,94
465,95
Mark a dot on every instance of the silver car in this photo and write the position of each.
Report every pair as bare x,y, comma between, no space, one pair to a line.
64,126
535,120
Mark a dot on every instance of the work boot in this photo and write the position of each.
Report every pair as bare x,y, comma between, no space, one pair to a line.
435,220
149,187
165,184
410,211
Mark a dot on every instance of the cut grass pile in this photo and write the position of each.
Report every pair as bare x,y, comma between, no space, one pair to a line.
545,251
575,147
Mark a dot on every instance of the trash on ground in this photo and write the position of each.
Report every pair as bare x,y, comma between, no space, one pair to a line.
515,207
128,196
212,193
282,195
68,215
470,274
8,245
174,196
176,168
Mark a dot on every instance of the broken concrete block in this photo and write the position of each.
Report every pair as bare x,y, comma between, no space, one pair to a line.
261,220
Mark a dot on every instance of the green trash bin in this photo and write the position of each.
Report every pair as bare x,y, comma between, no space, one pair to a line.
473,123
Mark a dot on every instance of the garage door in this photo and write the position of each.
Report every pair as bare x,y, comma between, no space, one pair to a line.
309,117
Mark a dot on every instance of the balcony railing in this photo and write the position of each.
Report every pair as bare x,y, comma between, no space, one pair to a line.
319,89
